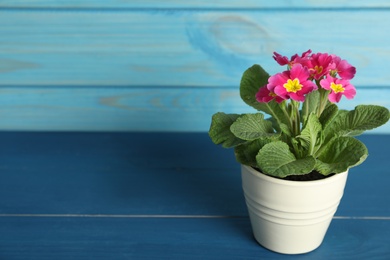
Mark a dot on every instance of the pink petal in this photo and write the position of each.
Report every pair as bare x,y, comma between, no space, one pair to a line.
279,99
334,97
308,87
325,83
263,95
345,70
281,60
300,72
350,92
297,97
281,92
277,79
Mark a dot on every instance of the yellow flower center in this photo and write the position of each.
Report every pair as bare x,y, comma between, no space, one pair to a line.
318,69
292,85
337,87
272,94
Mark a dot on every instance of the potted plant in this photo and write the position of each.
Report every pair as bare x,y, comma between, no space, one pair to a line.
295,162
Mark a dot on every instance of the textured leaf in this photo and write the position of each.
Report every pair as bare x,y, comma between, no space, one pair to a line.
252,80
362,118
275,124
276,160
367,117
285,129
340,154
251,127
246,153
220,130
309,134
328,115
310,105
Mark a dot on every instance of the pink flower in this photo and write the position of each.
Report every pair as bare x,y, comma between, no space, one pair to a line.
282,60
295,59
338,88
342,68
264,95
294,83
319,65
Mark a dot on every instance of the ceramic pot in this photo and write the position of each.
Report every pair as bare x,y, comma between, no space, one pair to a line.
291,217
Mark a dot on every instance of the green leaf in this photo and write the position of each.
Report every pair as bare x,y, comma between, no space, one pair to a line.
328,115
251,127
285,130
246,153
276,160
252,80
275,124
362,118
310,133
367,117
220,130
275,110
310,104
340,154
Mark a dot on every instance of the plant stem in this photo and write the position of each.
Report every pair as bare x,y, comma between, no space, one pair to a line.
297,151
295,117
291,111
298,118
283,105
305,111
323,99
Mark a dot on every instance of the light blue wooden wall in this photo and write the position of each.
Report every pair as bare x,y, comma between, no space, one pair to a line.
115,65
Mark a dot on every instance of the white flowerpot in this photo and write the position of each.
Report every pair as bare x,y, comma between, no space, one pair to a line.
291,217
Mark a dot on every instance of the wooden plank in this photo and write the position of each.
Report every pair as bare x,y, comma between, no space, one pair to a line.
82,173
365,193
192,4
158,195
151,174
134,109
155,238
180,47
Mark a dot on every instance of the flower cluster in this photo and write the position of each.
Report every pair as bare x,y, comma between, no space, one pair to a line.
306,73
306,132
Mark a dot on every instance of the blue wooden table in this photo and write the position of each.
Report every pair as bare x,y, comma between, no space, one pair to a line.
160,196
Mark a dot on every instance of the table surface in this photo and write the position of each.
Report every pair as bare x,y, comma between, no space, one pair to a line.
160,196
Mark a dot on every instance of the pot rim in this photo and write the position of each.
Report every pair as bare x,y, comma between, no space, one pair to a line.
266,177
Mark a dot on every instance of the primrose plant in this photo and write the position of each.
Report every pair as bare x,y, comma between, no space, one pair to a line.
306,132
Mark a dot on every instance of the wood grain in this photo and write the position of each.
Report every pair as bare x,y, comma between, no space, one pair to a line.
229,238
160,196
134,109
180,48
307,4
152,66
151,174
